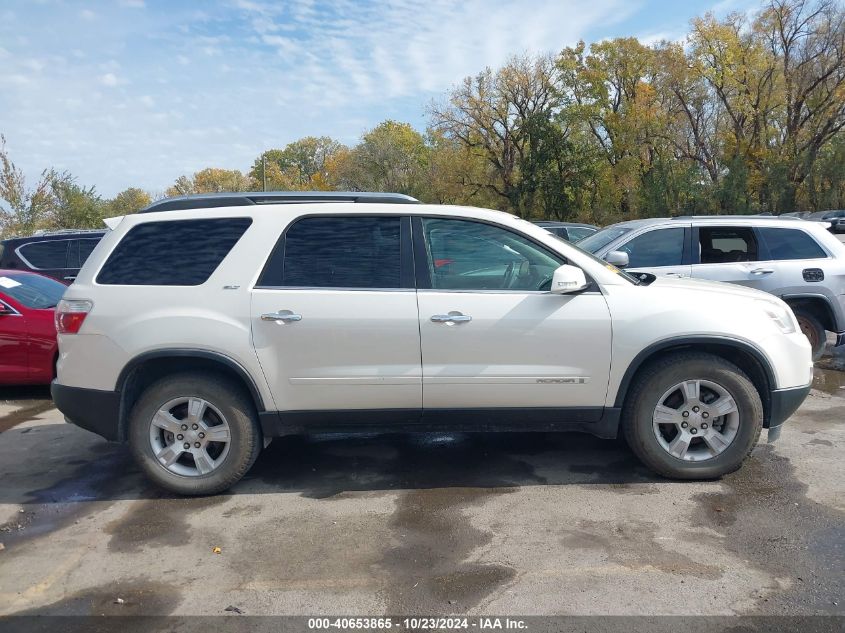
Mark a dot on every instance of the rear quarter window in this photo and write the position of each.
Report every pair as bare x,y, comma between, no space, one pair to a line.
46,254
790,244
172,253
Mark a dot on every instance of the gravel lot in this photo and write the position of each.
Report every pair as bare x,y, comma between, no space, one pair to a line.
401,524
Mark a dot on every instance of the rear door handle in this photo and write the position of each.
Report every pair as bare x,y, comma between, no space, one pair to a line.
285,316
452,317
762,271
674,274
71,278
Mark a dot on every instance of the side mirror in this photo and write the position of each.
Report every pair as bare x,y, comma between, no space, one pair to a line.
567,279
4,309
617,258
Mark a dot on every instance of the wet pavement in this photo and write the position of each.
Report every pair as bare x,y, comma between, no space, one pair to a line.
425,524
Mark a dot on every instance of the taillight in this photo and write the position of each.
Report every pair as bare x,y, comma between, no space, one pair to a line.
70,314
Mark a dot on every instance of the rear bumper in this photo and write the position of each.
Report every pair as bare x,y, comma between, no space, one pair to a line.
782,404
91,409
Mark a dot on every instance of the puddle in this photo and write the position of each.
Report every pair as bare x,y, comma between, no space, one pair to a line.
829,380
25,414
89,488
765,517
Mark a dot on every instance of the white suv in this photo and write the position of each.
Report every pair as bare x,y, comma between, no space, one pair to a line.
198,332
798,261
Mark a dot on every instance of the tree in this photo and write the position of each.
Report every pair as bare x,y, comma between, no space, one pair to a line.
301,165
391,157
75,206
211,180
808,42
24,209
128,201
490,114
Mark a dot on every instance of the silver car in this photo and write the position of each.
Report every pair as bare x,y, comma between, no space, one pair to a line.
800,262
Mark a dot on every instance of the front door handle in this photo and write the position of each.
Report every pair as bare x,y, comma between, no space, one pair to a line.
674,274
285,316
762,271
452,317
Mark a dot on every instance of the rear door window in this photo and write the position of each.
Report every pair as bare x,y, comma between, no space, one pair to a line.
174,253
46,255
337,252
86,247
790,244
727,244
659,247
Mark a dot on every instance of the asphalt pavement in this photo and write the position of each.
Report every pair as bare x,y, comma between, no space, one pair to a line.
425,524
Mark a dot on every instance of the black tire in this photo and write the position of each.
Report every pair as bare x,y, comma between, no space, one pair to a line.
655,379
813,329
234,404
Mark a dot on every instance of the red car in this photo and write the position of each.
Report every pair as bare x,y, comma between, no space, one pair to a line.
28,347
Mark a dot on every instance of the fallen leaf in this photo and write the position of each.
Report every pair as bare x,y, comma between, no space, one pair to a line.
216,550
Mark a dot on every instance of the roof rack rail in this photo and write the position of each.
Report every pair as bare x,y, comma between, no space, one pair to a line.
214,200
52,233
725,216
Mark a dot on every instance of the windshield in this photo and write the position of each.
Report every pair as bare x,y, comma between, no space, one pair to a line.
597,241
32,291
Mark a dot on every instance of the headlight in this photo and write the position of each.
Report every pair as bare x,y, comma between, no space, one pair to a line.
781,315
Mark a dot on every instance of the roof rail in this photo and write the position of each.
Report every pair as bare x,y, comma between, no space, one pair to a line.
728,216
53,233
214,200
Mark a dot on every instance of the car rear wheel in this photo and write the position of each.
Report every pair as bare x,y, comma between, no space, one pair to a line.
194,434
813,329
692,416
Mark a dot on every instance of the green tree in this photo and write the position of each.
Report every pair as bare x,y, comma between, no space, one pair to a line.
211,180
391,157
128,201
75,206
301,165
22,209
491,113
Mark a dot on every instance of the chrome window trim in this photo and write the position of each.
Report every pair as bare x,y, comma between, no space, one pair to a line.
14,310
28,263
426,290
334,288
504,292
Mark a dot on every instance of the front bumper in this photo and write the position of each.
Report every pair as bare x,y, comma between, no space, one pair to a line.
91,409
782,404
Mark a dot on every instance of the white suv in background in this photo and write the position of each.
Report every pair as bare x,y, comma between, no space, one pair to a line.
796,260
202,327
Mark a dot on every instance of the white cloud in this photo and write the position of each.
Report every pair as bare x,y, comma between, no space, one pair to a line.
109,79
88,14
170,89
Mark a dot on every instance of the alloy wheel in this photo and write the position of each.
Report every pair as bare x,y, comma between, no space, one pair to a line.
189,436
696,420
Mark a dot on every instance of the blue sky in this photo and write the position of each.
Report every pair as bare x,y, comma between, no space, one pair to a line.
138,92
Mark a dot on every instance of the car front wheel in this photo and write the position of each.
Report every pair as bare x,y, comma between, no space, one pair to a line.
813,329
692,416
194,434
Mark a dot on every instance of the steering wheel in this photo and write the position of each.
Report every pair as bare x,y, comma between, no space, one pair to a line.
545,280
507,279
